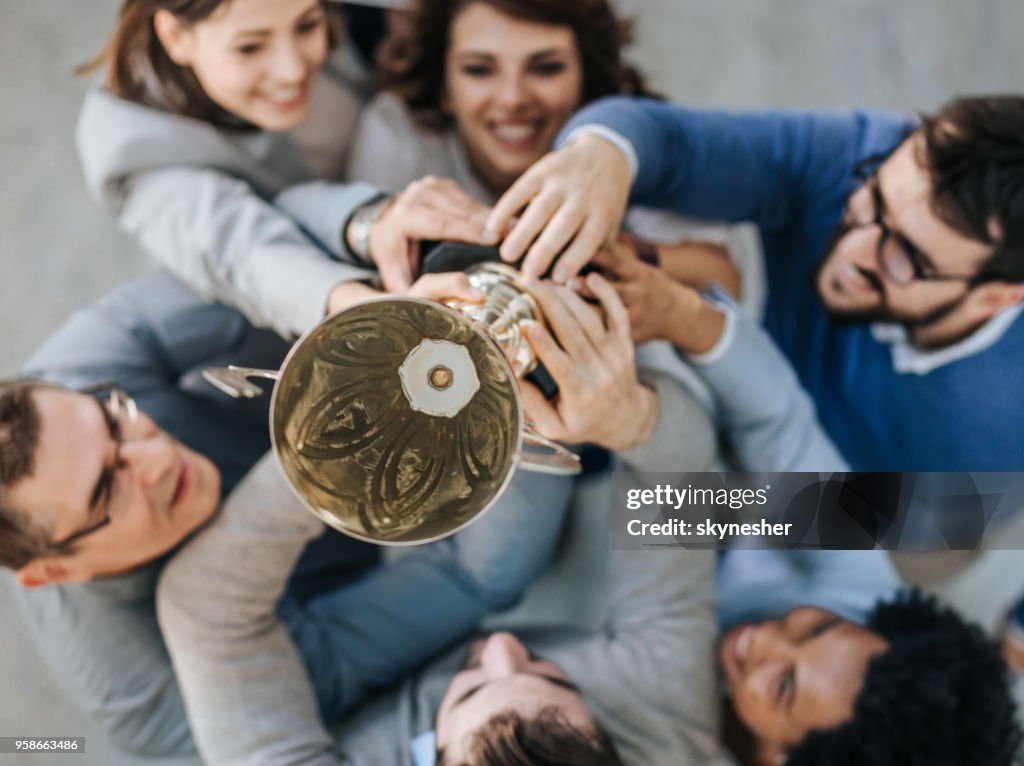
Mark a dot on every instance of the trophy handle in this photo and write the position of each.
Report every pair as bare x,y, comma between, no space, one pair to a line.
234,381
558,460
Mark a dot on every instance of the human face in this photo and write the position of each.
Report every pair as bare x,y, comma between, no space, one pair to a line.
851,281
161,492
254,58
802,673
510,85
502,676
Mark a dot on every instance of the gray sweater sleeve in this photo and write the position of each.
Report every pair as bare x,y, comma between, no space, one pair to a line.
219,237
246,691
649,676
768,419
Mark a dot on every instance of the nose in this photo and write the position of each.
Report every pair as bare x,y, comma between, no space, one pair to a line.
152,461
861,247
513,91
503,655
287,66
769,643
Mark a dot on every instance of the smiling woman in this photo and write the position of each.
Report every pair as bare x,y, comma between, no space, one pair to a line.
210,57
506,74
205,111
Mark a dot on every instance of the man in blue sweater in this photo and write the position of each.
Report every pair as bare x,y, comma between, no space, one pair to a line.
893,249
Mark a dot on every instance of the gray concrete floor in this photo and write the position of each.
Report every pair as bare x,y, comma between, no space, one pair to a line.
58,251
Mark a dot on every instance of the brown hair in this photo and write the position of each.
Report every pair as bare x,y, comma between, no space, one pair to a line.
548,739
20,539
974,153
133,56
414,67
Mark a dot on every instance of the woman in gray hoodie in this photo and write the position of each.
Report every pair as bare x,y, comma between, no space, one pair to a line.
205,111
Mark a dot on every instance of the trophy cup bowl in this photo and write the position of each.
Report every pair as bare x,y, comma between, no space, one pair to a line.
399,421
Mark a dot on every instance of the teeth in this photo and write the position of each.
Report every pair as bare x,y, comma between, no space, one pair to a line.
285,96
515,132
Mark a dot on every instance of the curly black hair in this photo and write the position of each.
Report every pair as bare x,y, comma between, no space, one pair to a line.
940,696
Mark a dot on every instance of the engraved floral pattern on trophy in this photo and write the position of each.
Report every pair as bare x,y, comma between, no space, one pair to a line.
370,457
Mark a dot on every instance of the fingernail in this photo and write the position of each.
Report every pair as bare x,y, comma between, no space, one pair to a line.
559,277
574,284
490,234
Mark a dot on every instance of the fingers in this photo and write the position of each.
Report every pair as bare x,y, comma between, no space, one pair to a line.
390,250
445,286
571,334
445,196
551,356
617,260
593,233
533,220
615,313
586,316
517,197
540,411
559,230
427,209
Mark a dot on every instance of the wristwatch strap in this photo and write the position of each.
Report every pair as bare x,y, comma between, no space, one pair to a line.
360,224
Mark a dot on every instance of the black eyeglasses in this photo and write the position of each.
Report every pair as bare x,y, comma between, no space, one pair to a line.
118,410
899,259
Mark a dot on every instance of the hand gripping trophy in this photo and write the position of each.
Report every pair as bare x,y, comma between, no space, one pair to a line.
399,420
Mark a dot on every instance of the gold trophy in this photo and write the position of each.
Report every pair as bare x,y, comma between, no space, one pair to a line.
399,420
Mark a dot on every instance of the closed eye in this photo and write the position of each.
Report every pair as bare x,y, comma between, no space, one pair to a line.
785,687
477,70
554,680
549,68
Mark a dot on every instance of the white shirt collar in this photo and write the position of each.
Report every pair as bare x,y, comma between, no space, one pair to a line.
424,749
908,359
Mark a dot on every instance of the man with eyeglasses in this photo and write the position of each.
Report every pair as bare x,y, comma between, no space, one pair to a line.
894,253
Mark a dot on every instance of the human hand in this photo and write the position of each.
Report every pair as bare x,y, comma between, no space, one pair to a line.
428,209
658,306
600,398
572,199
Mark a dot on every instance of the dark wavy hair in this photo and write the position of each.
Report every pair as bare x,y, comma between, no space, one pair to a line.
133,56
21,540
974,153
547,739
414,67
940,696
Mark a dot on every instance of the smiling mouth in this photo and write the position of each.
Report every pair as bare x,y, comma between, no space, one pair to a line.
287,98
517,135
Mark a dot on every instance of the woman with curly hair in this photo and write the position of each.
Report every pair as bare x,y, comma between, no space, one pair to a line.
479,90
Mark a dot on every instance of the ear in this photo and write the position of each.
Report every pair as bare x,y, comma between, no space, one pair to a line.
992,297
174,36
48,570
